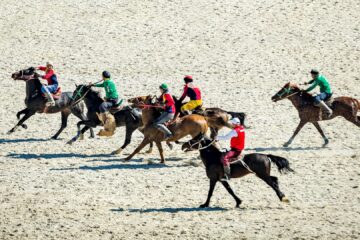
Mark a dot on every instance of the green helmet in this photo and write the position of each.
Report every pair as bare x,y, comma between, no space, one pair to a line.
164,86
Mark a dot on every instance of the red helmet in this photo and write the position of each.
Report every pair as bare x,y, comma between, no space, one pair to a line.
188,78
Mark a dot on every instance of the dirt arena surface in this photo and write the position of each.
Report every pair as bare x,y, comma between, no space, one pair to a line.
240,53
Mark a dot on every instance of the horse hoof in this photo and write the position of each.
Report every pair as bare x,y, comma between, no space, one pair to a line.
170,146
53,137
238,204
10,132
203,206
118,151
24,126
286,144
326,142
149,151
285,200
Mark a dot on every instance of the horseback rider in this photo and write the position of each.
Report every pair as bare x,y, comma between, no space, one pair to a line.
237,144
111,99
52,83
325,90
168,104
193,93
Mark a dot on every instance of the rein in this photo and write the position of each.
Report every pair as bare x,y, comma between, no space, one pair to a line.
148,106
286,90
200,147
78,92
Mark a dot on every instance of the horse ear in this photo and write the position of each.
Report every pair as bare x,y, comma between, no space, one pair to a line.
76,85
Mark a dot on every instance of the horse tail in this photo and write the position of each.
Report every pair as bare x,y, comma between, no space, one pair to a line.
282,164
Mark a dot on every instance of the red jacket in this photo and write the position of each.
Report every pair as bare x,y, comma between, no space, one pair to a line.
191,91
169,103
239,141
48,74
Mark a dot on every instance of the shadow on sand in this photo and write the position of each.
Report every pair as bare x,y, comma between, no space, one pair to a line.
55,155
288,149
170,210
114,166
2,140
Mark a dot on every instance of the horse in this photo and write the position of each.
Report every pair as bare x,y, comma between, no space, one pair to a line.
193,125
36,103
259,164
346,107
128,117
217,118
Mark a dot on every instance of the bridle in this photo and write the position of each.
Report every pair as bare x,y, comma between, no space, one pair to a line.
78,93
286,91
200,147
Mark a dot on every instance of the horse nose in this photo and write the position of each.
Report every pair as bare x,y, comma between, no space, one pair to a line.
13,76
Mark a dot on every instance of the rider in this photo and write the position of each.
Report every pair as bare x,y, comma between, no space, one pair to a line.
169,111
52,81
111,99
193,93
325,90
237,144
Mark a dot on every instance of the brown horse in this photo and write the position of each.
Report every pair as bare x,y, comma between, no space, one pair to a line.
259,164
193,125
346,107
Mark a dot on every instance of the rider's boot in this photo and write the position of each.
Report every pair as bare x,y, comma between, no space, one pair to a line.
109,123
49,98
227,173
167,133
327,109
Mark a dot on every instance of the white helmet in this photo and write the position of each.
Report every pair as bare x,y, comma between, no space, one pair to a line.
235,121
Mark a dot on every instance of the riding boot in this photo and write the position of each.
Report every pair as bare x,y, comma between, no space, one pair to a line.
109,123
325,107
227,173
49,98
167,133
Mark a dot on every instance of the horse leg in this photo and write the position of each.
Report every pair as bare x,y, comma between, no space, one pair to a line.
18,114
161,151
317,125
210,193
80,131
213,132
128,133
228,188
28,114
151,145
297,130
138,149
64,118
273,183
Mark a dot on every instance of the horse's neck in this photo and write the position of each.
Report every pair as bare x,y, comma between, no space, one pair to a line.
209,155
92,99
31,87
297,100
147,116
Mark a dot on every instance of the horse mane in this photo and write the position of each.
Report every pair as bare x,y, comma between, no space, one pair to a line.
307,96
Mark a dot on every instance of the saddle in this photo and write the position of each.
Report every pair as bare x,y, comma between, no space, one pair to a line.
328,101
56,95
116,108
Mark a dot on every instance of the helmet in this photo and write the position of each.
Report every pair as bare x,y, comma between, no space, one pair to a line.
188,79
314,71
164,86
235,121
106,74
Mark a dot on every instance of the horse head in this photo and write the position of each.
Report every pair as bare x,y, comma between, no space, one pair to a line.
25,74
80,93
286,91
136,101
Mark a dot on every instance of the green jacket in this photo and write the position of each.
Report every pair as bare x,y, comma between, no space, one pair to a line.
322,82
110,88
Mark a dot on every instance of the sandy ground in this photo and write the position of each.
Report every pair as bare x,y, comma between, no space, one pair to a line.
240,53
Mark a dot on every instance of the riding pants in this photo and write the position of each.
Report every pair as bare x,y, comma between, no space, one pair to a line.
233,153
159,122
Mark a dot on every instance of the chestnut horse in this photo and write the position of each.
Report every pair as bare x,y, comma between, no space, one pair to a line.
259,164
193,125
346,107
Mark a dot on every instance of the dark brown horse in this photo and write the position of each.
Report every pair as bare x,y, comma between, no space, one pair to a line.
193,125
36,103
346,107
259,164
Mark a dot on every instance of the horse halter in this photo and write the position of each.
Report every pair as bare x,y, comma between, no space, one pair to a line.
78,93
200,147
286,91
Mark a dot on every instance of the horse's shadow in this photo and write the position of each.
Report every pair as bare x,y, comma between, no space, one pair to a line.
124,166
286,149
170,210
54,155
3,140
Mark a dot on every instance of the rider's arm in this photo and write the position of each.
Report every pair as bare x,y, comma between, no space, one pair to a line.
99,84
48,74
184,93
314,84
41,68
228,136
